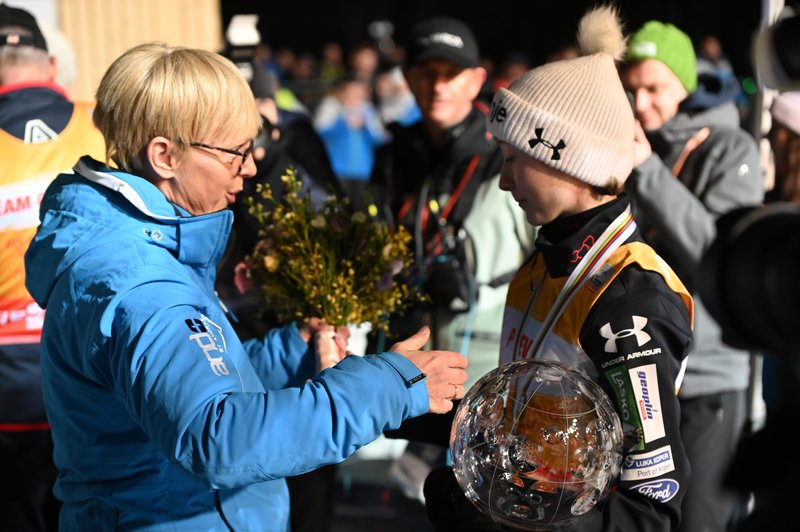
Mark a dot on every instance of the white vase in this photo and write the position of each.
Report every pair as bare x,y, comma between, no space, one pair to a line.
357,344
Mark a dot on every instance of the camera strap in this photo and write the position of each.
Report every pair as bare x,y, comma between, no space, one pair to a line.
431,207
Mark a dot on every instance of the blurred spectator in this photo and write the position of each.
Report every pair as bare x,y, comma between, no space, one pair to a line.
351,129
262,56
693,166
363,62
304,81
284,62
716,81
331,64
42,133
396,102
512,66
564,51
710,56
305,67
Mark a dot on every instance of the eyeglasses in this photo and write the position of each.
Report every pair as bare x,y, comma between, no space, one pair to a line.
243,154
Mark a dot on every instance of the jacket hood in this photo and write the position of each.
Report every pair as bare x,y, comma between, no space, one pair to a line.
686,123
96,206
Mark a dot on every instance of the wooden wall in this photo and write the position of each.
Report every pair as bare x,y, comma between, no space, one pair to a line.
101,30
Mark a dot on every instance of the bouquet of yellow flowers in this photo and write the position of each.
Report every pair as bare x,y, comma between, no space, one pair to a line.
332,262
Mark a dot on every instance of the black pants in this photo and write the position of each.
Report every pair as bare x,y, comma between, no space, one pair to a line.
27,475
711,428
311,497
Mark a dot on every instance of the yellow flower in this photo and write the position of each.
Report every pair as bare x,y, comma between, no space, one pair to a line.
271,263
333,272
318,222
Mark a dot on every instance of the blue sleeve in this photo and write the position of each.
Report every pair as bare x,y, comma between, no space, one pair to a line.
281,358
189,384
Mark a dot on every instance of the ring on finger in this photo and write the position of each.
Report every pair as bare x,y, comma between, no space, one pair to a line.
455,392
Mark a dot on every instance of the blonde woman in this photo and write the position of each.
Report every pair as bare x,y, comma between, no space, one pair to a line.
161,417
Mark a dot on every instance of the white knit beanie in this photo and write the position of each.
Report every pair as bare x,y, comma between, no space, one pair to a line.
786,110
573,115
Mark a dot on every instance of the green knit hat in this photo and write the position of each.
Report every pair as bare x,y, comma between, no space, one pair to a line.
665,43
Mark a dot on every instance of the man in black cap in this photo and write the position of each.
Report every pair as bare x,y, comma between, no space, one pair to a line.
439,178
42,133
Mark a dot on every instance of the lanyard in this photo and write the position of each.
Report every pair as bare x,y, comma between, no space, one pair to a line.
448,208
615,234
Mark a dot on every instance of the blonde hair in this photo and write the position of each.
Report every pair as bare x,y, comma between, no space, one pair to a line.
186,95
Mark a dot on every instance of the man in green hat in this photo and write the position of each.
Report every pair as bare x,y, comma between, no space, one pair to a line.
692,165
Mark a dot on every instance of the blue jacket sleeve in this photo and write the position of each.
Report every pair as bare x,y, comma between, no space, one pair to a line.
281,358
189,383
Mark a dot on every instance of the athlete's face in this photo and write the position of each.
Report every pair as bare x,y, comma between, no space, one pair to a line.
541,191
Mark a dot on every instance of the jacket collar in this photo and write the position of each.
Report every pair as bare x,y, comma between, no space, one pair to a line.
195,240
565,240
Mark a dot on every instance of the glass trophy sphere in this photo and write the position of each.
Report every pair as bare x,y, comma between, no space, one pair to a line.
535,445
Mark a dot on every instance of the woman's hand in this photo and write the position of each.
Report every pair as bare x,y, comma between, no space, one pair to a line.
445,370
642,148
329,343
241,277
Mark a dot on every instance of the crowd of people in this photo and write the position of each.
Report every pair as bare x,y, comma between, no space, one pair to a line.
558,212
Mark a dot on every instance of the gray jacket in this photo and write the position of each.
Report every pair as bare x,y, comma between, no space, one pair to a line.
677,217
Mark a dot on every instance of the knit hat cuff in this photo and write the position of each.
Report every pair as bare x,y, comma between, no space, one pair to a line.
786,110
576,151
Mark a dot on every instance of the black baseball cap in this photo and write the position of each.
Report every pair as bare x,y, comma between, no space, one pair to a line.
13,17
444,38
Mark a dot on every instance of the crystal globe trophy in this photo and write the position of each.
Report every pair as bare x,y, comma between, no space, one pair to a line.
535,445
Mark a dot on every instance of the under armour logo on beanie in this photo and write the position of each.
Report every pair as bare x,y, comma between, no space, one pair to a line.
555,147
573,115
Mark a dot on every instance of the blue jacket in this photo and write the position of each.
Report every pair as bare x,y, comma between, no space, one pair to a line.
161,418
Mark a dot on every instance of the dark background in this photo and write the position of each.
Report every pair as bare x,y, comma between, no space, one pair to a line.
535,27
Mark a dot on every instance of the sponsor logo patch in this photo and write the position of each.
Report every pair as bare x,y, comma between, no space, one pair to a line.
648,465
658,490
629,416
208,337
648,400
556,148
637,331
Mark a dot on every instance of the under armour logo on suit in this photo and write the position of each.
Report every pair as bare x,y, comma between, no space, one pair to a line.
638,331
555,147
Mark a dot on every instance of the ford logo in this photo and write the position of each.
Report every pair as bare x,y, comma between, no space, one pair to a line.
658,490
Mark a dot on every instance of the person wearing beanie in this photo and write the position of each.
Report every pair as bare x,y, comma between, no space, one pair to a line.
691,167
784,138
593,296
42,133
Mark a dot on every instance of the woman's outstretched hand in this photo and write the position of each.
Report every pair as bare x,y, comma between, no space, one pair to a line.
446,370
